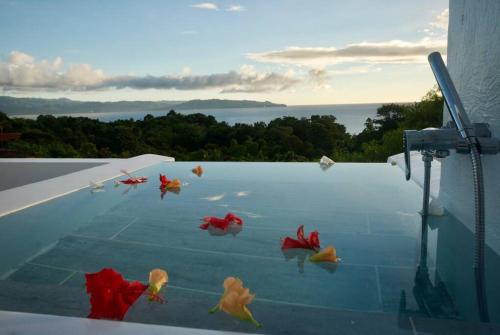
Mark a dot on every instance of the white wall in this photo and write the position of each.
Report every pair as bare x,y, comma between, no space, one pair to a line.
474,65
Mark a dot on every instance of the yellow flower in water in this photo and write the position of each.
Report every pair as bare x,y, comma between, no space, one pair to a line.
157,278
176,183
235,299
198,170
328,254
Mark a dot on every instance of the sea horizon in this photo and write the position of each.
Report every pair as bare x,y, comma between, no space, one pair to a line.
352,116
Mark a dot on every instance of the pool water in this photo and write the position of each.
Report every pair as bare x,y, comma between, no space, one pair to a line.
389,271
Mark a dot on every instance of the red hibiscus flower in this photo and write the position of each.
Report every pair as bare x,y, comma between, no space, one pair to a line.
110,294
164,180
138,180
219,223
312,242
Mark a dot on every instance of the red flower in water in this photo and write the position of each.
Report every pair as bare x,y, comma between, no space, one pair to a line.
219,223
110,294
166,184
312,242
138,180
164,180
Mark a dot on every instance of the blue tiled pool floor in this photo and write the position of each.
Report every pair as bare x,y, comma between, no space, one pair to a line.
366,211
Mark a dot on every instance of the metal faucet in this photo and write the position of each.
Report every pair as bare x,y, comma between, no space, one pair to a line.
459,134
464,137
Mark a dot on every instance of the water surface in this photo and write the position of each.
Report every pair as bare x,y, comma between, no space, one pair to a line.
390,272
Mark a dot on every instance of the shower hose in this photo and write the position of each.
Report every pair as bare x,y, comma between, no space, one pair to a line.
479,235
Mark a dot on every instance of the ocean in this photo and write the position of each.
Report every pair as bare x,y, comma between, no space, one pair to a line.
352,116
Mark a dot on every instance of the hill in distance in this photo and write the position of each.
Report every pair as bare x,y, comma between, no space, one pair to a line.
18,106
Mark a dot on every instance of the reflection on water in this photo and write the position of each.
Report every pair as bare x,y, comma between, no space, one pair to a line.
248,214
233,229
330,267
433,300
448,289
164,191
300,254
216,197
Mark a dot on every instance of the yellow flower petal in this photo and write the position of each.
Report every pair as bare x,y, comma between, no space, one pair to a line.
328,254
198,170
235,299
176,183
157,278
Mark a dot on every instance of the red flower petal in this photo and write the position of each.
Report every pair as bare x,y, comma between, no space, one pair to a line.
300,233
110,294
314,239
138,180
164,180
219,223
312,242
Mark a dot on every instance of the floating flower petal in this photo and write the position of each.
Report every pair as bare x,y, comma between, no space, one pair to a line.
219,223
157,279
169,184
110,294
312,242
328,254
137,180
176,183
235,299
96,185
163,180
131,179
325,163
198,170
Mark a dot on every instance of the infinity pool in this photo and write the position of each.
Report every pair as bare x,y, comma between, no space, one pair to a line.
392,276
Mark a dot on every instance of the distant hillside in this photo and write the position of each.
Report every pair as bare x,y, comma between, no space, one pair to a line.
16,106
217,103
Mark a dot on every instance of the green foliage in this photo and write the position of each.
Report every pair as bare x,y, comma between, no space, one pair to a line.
201,137
382,137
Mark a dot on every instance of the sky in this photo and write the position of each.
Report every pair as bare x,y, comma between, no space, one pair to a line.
297,52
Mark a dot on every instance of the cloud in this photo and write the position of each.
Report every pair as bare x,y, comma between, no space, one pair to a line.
235,8
21,71
230,82
206,5
257,82
395,51
438,27
353,70
441,21
319,77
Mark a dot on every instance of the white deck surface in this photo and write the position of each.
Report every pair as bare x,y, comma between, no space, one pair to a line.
31,324
18,198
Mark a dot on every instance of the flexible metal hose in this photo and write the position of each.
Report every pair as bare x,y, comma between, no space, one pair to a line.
479,235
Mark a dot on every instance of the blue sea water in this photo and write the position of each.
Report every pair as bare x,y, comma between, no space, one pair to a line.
352,116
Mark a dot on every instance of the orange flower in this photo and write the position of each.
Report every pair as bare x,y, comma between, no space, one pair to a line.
235,299
176,183
328,254
198,170
157,278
